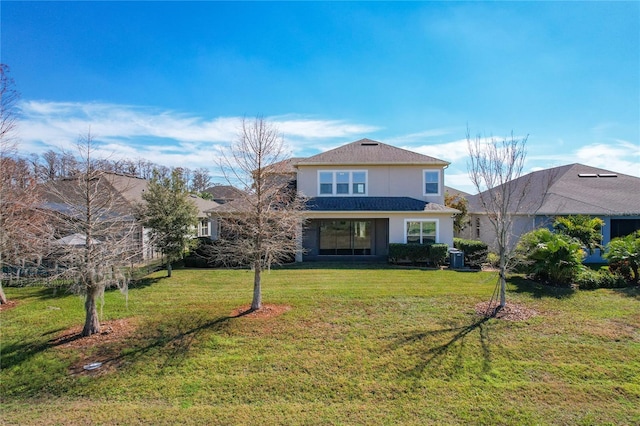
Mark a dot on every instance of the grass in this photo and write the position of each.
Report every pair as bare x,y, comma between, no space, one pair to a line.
360,345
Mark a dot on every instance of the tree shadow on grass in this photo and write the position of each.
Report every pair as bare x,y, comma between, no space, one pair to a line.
430,354
172,340
539,290
145,282
632,292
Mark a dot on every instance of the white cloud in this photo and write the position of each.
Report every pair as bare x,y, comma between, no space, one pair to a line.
412,138
620,156
448,151
164,137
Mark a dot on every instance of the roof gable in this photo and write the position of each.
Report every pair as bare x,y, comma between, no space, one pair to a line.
367,151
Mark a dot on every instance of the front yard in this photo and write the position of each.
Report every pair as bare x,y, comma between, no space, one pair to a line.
340,346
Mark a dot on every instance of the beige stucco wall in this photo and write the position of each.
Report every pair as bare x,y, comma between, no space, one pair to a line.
521,225
383,181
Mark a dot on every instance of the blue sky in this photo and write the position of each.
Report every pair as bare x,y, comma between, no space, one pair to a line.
168,81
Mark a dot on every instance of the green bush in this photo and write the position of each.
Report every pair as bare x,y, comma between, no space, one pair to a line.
550,258
624,254
433,254
588,279
438,254
493,260
475,252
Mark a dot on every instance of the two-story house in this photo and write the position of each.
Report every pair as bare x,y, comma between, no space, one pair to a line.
367,194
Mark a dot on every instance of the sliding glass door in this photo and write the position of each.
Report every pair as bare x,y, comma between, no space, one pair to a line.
345,237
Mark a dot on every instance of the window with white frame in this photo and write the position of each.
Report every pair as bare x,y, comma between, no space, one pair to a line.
204,228
431,182
420,231
342,182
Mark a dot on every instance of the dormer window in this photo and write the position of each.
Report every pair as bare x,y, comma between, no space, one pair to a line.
342,182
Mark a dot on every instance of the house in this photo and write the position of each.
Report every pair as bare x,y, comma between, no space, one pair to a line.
126,192
365,195
567,190
223,193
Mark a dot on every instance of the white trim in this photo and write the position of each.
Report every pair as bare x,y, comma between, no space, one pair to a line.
334,183
424,182
436,221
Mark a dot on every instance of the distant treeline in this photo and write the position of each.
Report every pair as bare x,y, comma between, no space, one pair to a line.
53,165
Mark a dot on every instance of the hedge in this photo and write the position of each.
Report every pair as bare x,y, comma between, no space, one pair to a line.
475,252
433,254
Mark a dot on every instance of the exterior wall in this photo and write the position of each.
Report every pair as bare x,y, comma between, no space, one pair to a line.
524,224
388,228
444,228
382,181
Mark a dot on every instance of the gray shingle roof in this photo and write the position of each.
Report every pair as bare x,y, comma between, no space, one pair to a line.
367,151
576,189
127,189
387,204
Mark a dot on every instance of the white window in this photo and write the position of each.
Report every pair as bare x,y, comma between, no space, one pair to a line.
419,231
342,182
431,182
204,228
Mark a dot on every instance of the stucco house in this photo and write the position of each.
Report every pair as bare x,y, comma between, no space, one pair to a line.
567,190
127,193
367,194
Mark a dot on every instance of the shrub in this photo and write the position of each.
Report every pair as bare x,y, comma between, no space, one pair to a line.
434,254
438,254
588,279
475,252
493,260
625,251
622,269
549,257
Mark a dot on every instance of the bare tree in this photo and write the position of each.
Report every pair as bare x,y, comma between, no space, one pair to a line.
264,225
20,222
52,166
494,168
98,231
201,180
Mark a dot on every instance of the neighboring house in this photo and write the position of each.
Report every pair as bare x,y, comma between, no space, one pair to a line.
223,193
568,190
367,194
127,191
206,226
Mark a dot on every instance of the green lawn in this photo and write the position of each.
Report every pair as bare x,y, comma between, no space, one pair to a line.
358,346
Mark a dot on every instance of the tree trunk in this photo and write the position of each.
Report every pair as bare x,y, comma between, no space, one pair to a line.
169,269
257,289
91,324
503,289
503,277
3,297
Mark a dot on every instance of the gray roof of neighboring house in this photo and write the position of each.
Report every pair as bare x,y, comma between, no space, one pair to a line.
224,192
387,204
456,192
129,189
367,151
575,189
285,166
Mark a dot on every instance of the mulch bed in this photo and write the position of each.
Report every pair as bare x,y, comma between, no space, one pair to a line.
9,305
510,312
267,311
